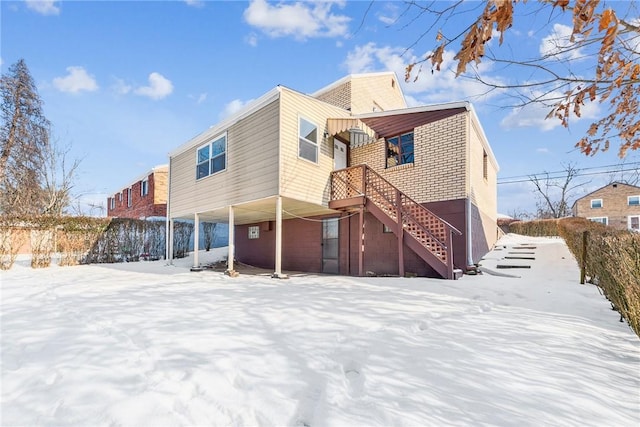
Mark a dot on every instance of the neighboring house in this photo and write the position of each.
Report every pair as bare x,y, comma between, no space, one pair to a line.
347,180
615,204
144,197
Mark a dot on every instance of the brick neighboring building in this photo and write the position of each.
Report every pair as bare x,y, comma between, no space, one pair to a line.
145,197
615,204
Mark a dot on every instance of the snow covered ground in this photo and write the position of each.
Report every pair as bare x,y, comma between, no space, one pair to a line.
147,344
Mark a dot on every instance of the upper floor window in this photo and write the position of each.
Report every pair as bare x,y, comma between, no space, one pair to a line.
400,149
129,201
112,202
308,140
596,203
212,158
144,187
633,200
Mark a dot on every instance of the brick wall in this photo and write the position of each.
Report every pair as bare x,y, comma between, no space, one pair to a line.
438,171
154,203
339,96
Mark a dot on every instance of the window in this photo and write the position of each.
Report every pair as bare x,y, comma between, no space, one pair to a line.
633,200
308,140
634,222
128,197
596,203
400,149
144,187
254,232
120,197
601,219
212,158
112,202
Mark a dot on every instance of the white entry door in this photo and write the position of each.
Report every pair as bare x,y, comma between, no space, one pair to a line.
339,155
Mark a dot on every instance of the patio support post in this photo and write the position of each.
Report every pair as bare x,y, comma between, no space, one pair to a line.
278,267
361,242
196,241
232,249
169,241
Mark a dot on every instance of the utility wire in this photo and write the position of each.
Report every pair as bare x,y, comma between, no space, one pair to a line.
563,176
564,171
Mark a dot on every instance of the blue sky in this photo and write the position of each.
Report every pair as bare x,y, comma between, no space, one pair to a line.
126,82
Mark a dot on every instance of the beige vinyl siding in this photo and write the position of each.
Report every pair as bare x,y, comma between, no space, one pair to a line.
301,179
381,91
483,192
251,171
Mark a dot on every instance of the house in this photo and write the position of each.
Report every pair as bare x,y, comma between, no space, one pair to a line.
347,180
616,204
145,197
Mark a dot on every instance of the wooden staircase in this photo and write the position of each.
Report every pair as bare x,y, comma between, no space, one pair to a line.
428,235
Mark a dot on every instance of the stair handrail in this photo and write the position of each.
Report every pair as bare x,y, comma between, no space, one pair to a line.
370,170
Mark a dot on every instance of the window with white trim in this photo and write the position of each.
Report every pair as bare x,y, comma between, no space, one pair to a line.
112,202
129,201
596,203
254,232
633,222
601,219
144,187
633,201
212,157
307,140
399,149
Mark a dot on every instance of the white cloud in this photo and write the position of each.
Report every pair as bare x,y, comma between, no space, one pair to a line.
195,3
159,87
300,20
251,39
43,7
233,107
429,88
534,114
121,87
77,80
558,44
390,14
199,98
542,150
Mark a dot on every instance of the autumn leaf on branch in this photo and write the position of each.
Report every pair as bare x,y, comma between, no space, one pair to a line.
599,34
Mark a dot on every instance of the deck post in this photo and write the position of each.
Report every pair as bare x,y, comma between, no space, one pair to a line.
278,267
232,249
449,243
400,233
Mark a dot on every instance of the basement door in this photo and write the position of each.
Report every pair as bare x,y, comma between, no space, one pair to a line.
330,246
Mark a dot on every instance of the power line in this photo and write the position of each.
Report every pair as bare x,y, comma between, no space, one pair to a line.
564,175
564,171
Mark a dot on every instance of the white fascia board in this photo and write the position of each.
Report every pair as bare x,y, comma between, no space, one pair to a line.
421,109
220,127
